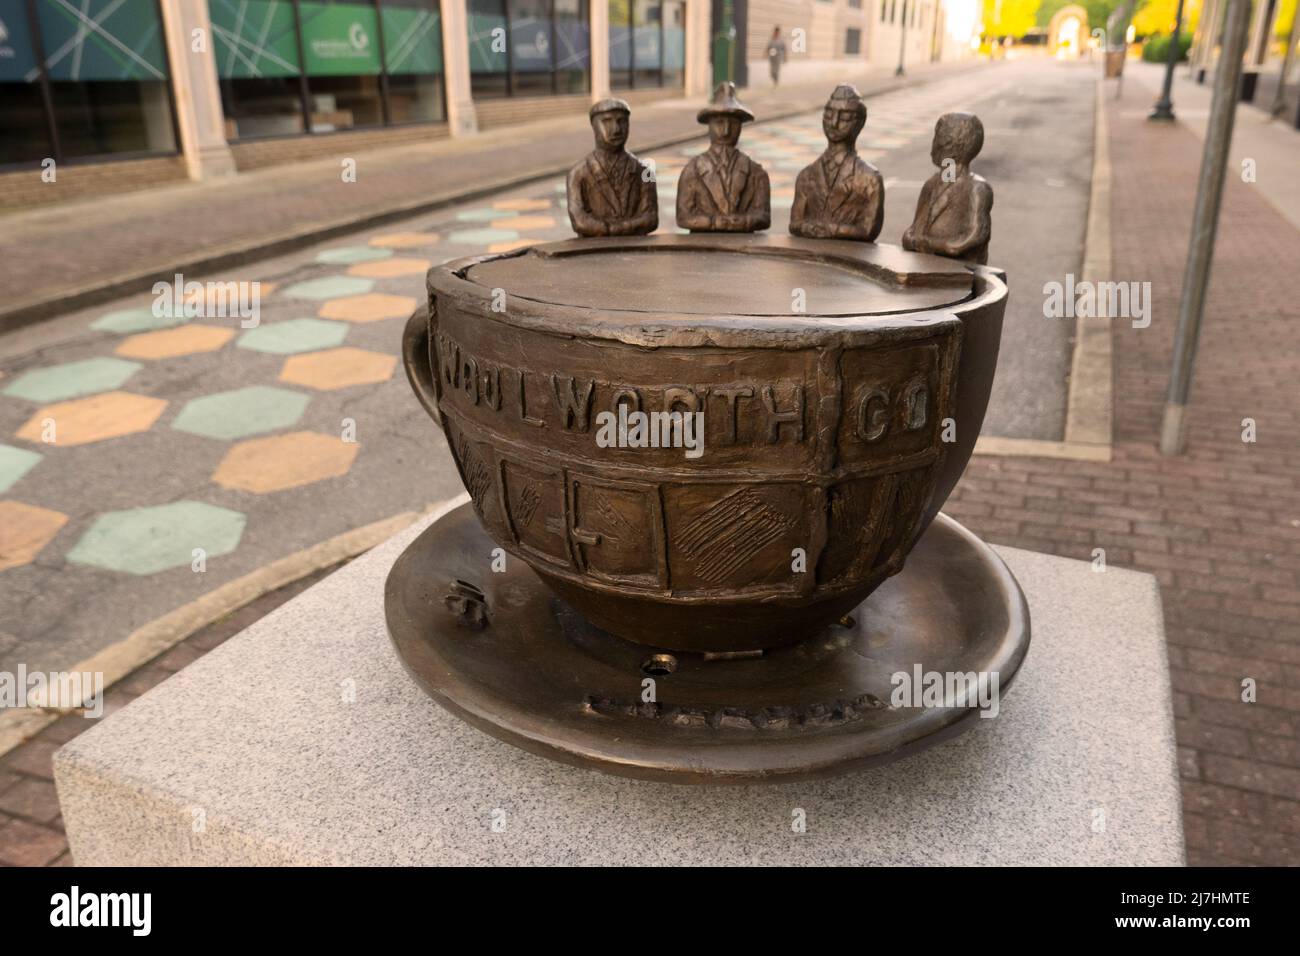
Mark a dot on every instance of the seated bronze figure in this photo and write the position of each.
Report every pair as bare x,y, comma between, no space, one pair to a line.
611,192
840,196
954,211
722,189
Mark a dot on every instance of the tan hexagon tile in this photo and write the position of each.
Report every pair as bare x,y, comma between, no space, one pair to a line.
262,465
390,268
371,307
171,343
338,368
223,295
512,245
524,222
522,205
405,240
24,531
96,418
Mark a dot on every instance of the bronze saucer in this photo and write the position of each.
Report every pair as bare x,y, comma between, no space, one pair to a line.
524,667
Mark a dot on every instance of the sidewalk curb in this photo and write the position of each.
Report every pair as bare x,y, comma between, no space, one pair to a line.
104,290
145,643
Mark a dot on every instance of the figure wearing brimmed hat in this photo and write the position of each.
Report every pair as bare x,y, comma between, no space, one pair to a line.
722,189
840,196
611,192
954,211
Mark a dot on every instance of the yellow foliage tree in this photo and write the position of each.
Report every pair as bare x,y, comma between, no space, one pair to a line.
1157,16
1009,18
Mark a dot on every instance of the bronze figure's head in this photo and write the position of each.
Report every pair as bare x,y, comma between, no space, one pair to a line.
609,121
844,116
957,136
725,115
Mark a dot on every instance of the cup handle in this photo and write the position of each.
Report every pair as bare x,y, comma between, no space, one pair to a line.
419,370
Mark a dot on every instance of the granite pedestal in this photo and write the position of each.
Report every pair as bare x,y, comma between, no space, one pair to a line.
303,741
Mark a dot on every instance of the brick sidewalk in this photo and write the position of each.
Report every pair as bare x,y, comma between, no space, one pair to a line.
1218,526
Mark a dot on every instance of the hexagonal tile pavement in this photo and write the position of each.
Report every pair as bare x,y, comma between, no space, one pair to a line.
512,245
329,287
522,205
70,379
391,268
172,343
25,530
97,418
482,214
14,463
295,335
480,237
285,461
241,412
369,308
157,538
338,368
405,240
141,319
524,222
349,255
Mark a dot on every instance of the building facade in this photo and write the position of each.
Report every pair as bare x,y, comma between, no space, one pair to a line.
111,95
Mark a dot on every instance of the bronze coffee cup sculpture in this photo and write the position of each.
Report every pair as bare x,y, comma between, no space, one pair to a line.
712,449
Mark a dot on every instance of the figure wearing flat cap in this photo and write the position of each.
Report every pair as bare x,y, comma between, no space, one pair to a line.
954,212
840,196
722,189
611,192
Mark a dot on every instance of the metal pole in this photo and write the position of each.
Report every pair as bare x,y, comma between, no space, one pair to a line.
1165,105
1279,96
1205,221
902,42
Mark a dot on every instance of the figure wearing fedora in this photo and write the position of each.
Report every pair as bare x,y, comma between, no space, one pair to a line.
840,196
611,192
722,189
954,211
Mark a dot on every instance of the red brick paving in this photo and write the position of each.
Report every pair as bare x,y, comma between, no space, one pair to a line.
1219,526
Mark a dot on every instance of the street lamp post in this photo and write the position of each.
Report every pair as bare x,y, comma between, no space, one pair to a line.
902,42
1205,222
1165,106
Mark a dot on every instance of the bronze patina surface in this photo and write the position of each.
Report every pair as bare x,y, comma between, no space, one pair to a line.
954,211
722,189
840,195
611,192
502,652
831,436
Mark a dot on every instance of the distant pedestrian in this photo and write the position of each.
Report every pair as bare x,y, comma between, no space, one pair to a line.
775,54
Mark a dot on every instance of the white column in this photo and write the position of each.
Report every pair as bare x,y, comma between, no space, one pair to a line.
599,23
461,119
199,119
699,71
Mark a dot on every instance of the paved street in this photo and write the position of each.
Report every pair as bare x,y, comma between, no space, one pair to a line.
170,436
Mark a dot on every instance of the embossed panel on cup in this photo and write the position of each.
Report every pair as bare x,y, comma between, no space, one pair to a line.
535,508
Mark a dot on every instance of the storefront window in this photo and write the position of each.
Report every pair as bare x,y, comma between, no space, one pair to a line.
413,56
104,89
528,47
319,65
572,46
24,122
255,43
489,61
646,43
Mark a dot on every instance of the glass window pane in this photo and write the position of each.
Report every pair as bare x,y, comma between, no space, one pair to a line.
674,14
24,127
108,76
341,55
648,54
620,44
413,49
572,46
487,41
256,49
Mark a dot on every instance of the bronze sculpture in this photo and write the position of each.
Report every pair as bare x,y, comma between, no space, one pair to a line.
611,192
840,195
734,616
722,189
953,213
